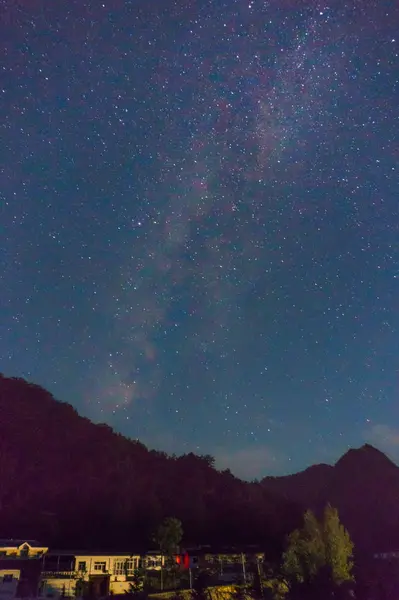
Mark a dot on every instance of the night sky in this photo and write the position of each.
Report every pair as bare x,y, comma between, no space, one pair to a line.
199,221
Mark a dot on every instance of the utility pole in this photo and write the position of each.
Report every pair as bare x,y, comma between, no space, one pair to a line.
243,567
70,578
259,575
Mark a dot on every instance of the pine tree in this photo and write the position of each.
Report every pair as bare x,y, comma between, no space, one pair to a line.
168,537
136,585
319,556
305,555
338,547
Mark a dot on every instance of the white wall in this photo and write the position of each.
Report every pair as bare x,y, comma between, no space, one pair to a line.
8,583
119,587
53,587
109,561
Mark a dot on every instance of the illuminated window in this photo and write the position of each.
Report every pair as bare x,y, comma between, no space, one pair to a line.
153,563
119,567
125,567
100,566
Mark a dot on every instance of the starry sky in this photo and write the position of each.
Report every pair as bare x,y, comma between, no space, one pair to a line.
199,221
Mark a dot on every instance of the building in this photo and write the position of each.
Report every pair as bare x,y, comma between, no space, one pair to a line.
153,560
224,557
98,574
28,569
20,568
21,549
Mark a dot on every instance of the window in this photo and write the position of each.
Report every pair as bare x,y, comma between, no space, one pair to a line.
132,565
125,567
100,566
7,578
154,563
119,567
82,565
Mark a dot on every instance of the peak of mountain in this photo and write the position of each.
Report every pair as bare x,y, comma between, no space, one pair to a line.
72,483
364,486
367,456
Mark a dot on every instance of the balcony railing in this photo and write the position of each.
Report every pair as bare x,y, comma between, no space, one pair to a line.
58,574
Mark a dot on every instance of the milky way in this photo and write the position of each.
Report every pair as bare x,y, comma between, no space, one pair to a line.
242,117
201,222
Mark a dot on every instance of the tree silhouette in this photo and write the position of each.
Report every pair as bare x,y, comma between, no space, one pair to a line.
136,585
318,559
200,589
169,535
338,547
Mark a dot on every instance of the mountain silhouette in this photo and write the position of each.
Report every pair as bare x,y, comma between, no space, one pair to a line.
363,485
71,483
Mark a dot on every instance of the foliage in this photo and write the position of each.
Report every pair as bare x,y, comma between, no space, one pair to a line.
169,535
338,547
200,589
242,592
178,595
319,555
273,583
80,587
275,588
306,551
136,585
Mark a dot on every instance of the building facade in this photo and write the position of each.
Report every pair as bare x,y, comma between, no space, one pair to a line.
76,574
20,568
28,569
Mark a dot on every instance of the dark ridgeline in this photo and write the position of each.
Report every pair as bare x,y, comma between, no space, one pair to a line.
363,485
75,484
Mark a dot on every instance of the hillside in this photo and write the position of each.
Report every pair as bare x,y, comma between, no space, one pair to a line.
363,485
70,482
